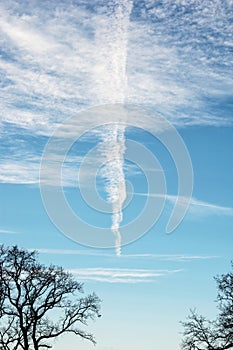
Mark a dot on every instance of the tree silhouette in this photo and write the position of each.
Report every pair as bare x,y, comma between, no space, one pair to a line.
202,334
39,303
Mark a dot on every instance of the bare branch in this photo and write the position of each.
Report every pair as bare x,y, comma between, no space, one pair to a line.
202,334
30,292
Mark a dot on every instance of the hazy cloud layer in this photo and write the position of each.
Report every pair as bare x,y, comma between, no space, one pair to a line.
55,60
58,58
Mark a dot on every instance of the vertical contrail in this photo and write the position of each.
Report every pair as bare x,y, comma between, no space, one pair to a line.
111,84
113,148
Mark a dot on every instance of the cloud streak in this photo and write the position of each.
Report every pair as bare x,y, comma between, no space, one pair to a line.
8,232
162,257
120,275
200,208
197,208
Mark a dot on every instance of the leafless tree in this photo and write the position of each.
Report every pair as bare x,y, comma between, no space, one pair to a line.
39,303
202,334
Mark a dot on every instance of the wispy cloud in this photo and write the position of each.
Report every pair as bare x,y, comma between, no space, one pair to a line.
5,231
197,207
175,52
163,257
172,257
200,208
120,275
19,172
56,60
59,58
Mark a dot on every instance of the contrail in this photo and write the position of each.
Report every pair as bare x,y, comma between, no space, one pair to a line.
113,148
110,87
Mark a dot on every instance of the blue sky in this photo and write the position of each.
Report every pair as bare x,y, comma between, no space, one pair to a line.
172,61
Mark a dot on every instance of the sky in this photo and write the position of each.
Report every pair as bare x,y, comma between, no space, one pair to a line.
116,162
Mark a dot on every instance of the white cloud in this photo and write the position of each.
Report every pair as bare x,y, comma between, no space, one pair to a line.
60,59
200,208
163,257
23,34
19,172
172,257
5,231
120,275
197,208
57,60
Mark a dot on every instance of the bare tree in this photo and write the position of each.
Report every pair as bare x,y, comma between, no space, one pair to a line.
202,334
39,303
